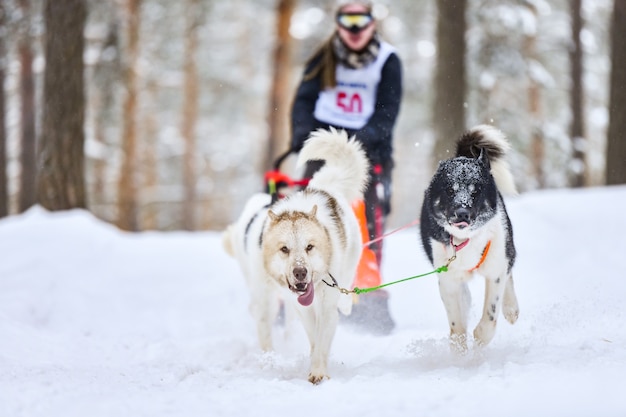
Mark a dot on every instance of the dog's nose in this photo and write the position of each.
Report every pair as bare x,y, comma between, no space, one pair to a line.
299,273
462,215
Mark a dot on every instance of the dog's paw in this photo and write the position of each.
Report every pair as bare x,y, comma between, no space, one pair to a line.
317,379
510,308
511,313
458,343
484,332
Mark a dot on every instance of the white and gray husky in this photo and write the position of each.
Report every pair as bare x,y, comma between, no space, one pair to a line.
294,245
464,222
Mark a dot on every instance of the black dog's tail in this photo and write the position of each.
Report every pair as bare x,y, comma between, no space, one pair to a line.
482,138
487,140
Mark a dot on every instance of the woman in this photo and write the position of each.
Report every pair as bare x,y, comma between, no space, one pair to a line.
354,82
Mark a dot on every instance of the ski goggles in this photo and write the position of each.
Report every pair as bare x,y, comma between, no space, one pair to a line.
354,22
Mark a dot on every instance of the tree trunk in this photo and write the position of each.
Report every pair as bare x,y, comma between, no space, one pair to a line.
450,85
190,114
28,158
280,89
127,187
149,160
106,77
61,182
4,189
577,128
616,149
534,110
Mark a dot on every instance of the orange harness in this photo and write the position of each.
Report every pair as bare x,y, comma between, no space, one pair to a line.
461,245
482,257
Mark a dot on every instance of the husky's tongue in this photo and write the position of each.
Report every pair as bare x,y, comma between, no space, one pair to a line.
306,298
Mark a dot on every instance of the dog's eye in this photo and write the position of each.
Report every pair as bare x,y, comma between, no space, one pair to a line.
309,248
284,250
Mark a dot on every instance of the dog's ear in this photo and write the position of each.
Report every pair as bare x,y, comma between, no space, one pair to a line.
273,217
483,158
313,211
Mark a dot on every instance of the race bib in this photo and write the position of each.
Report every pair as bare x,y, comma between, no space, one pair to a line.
352,102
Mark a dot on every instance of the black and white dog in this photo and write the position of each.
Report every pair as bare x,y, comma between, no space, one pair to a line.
464,223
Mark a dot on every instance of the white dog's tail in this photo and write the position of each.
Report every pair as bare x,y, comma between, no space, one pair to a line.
346,166
488,139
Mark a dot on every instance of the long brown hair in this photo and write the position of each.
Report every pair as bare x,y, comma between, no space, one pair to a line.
325,66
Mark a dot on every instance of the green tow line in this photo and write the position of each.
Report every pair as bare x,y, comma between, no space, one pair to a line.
357,290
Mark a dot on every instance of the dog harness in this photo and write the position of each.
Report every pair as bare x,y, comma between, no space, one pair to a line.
482,257
463,244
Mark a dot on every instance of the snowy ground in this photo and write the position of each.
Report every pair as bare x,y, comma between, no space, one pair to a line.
96,322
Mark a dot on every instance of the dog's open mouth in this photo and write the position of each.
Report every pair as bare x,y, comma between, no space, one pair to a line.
460,225
305,291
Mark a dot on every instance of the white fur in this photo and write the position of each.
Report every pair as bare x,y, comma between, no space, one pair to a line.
499,289
345,164
264,299
302,231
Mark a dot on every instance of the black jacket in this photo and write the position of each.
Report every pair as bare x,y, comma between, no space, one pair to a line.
376,135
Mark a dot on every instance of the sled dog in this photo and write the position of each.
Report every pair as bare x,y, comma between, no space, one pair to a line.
291,247
463,215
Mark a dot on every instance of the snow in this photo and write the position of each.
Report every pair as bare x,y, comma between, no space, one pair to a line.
99,322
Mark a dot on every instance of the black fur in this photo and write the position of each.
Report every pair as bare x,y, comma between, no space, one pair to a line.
252,220
463,190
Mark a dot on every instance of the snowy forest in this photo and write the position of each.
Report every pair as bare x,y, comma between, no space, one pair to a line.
164,115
